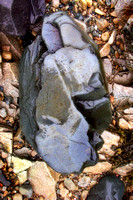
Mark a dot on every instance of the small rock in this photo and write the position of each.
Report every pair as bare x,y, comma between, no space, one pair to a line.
105,36
20,165
26,190
0,58
124,170
84,194
3,179
17,196
42,180
6,55
83,4
105,50
3,113
115,21
64,2
6,140
55,3
1,164
99,168
124,78
125,125
99,12
89,3
64,192
122,95
22,177
84,181
107,67
101,24
128,111
113,14
23,152
112,37
109,140
69,184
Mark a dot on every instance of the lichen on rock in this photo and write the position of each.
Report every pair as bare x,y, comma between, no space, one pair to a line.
64,102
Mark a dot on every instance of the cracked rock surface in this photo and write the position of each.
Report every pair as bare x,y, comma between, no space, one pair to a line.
64,103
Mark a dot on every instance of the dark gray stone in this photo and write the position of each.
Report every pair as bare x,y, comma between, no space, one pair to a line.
108,188
64,102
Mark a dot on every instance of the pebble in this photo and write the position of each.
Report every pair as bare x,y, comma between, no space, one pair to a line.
124,170
112,37
3,113
64,192
124,78
128,111
89,3
6,55
101,24
84,181
17,196
26,190
99,168
55,3
65,2
105,50
83,4
84,194
69,184
1,164
0,58
105,36
107,67
22,176
99,12
115,21
6,140
113,14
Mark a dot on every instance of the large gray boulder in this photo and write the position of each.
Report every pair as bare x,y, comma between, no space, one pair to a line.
64,103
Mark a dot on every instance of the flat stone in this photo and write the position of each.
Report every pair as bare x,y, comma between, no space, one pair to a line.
124,78
69,184
42,181
19,165
128,111
99,168
105,50
109,140
124,170
122,95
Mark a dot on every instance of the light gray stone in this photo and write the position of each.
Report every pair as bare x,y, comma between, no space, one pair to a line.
69,184
63,93
26,190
